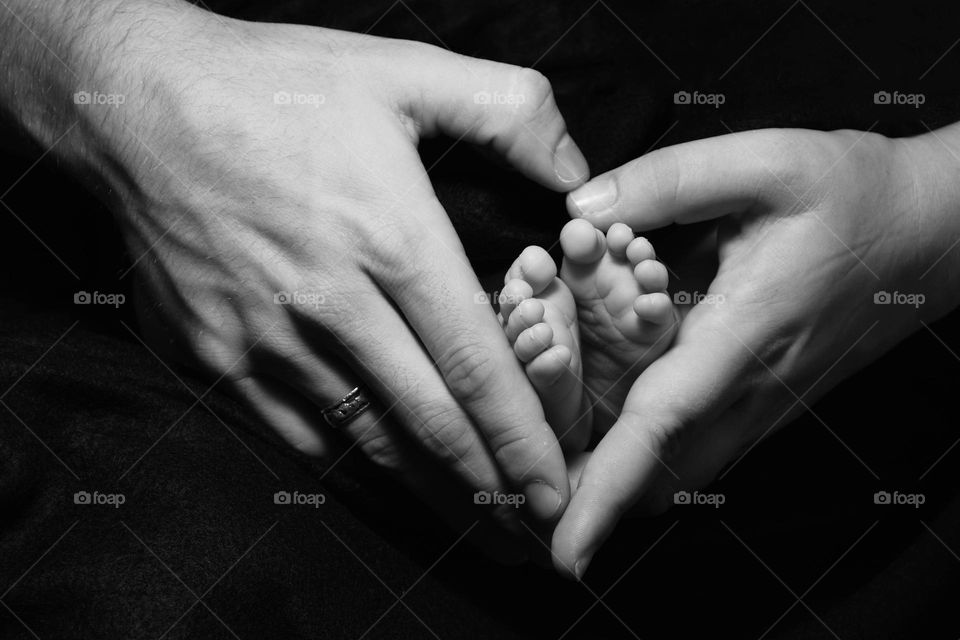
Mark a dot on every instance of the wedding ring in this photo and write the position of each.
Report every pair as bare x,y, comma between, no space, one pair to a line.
347,409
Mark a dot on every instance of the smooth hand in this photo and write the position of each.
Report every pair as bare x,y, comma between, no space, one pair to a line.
831,247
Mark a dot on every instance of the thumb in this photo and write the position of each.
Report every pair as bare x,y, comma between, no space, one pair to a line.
698,181
509,108
672,401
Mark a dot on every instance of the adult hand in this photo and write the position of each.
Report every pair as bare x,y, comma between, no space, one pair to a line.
816,232
287,237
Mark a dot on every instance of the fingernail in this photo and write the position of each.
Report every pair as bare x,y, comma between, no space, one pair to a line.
595,197
542,500
568,163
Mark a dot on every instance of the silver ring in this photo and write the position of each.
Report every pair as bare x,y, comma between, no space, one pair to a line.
347,409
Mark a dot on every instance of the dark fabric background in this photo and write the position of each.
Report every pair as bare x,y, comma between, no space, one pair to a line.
99,412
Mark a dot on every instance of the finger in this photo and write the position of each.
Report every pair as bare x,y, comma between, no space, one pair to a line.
387,358
484,377
717,450
675,397
692,182
291,408
427,275
322,380
510,108
455,504
291,415
700,461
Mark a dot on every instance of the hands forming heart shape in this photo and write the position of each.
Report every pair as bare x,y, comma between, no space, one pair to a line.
289,164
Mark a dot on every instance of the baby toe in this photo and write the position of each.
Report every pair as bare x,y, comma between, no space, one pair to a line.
514,292
533,341
651,276
619,237
527,314
654,307
534,266
582,242
549,366
639,250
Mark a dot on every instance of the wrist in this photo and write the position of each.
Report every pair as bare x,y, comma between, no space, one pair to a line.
932,209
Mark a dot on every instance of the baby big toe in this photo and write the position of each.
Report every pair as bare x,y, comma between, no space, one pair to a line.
654,307
534,266
582,243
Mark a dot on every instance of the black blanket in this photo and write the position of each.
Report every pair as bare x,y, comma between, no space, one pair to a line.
199,548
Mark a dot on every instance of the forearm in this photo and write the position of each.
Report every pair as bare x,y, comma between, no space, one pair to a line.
68,66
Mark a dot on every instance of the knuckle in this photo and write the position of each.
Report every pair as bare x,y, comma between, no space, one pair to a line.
661,437
391,249
511,446
534,86
794,160
313,447
217,355
469,370
446,433
378,447
660,171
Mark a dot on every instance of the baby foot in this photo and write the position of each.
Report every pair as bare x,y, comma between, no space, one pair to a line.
539,316
584,337
626,317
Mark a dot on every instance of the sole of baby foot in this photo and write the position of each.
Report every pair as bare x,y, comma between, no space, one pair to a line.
541,325
625,316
